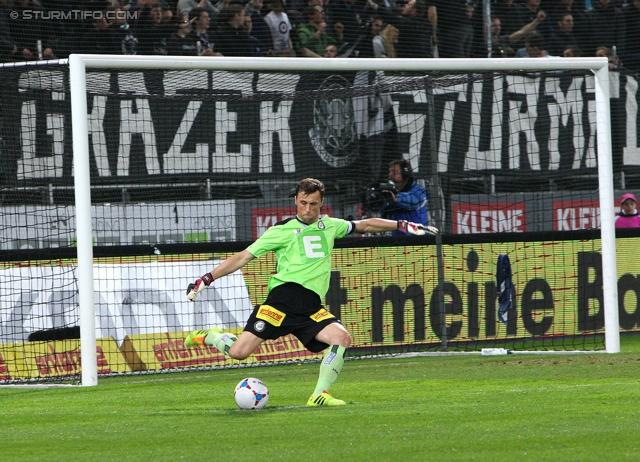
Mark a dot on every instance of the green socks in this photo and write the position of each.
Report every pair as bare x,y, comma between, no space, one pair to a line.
330,368
221,340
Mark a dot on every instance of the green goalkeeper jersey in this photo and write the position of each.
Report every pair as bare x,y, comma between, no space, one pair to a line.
303,251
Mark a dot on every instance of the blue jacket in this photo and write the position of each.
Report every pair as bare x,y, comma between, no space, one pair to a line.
411,206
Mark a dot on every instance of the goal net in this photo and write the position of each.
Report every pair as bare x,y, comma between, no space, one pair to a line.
126,179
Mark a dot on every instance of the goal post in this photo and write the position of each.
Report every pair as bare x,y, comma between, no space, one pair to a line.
126,175
84,232
608,232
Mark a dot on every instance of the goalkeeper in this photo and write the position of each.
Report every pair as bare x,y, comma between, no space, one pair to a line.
302,247
409,202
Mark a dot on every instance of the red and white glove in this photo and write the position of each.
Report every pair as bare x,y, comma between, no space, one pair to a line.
416,228
195,288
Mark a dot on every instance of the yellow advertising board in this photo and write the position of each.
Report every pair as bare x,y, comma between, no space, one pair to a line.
384,296
59,359
11,361
628,265
557,290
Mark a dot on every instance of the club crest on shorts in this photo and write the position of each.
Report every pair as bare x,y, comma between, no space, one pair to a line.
259,326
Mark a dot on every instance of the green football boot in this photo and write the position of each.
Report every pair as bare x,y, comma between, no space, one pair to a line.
196,338
324,399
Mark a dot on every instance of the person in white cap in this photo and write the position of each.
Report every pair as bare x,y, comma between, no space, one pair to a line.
629,217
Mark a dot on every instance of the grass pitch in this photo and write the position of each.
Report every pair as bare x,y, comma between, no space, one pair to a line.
528,407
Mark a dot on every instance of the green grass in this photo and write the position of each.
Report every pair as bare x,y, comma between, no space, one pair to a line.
533,407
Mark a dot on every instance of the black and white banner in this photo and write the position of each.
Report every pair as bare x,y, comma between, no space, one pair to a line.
156,126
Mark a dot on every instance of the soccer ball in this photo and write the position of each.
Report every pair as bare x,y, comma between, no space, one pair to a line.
251,393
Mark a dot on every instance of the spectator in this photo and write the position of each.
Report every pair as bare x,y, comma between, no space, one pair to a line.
167,14
628,217
32,37
384,44
257,48
8,48
528,12
346,21
311,34
562,7
280,27
185,6
500,44
364,45
455,29
331,51
571,52
368,10
260,29
297,6
231,38
135,7
182,42
381,7
415,30
123,30
631,51
221,5
534,47
606,52
518,36
200,21
563,36
153,36
509,17
409,202
557,8
296,15
100,38
69,32
328,15
605,25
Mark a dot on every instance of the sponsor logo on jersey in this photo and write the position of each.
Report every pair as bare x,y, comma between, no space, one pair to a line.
259,326
271,315
321,315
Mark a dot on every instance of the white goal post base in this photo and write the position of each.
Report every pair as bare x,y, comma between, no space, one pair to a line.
78,64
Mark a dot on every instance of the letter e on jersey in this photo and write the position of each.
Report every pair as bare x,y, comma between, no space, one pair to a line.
313,246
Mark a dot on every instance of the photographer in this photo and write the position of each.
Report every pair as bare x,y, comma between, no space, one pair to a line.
409,201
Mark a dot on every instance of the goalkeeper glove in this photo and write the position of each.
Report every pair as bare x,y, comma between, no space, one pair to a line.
195,288
416,228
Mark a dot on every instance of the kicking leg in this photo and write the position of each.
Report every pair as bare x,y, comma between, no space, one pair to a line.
229,344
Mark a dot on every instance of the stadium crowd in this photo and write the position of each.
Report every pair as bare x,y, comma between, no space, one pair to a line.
48,29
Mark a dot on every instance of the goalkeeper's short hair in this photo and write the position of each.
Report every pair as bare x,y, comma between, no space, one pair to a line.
309,186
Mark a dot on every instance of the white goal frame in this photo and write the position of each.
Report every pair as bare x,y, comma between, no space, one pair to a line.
79,63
